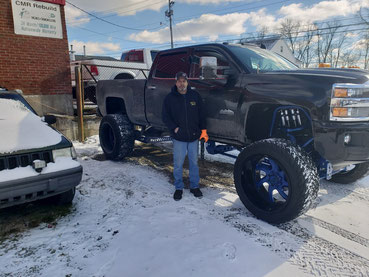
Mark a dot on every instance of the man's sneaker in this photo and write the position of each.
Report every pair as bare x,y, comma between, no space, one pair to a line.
178,194
196,192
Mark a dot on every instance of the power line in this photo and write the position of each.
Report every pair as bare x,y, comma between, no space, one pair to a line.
106,21
121,13
91,31
107,35
125,6
212,11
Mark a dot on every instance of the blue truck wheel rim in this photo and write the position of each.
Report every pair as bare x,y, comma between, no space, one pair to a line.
265,183
268,175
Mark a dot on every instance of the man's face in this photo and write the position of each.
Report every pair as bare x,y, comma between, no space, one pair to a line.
181,84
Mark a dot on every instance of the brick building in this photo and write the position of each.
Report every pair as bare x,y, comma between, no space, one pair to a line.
36,63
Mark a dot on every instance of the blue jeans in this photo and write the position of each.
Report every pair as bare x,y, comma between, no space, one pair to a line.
180,150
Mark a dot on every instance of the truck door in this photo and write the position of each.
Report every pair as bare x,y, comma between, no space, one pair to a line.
160,83
221,92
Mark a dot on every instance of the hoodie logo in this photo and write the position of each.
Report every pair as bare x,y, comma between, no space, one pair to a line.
193,103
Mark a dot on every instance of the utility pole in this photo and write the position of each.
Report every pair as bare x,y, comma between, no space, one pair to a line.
169,13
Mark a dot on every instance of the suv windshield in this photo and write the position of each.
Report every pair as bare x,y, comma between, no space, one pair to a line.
260,60
16,97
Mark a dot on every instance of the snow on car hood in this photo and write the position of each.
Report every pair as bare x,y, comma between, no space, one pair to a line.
20,129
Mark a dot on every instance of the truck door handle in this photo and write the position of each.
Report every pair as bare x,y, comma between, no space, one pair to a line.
151,87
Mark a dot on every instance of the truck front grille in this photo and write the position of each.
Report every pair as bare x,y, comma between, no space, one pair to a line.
24,160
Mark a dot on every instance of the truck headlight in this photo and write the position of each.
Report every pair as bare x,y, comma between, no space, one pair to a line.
69,152
350,102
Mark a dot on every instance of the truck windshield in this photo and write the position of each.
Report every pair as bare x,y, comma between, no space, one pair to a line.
258,60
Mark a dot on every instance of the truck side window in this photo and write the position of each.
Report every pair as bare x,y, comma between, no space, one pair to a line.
169,64
222,64
135,56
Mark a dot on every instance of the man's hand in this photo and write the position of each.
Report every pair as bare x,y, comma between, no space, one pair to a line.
204,135
176,130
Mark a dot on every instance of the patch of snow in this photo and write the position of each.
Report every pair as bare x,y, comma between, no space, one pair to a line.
21,129
126,223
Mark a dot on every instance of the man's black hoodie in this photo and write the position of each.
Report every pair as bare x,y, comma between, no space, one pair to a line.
185,111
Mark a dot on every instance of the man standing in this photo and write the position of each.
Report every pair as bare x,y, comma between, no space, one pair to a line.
184,116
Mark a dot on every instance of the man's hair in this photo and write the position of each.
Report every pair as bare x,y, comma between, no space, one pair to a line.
181,75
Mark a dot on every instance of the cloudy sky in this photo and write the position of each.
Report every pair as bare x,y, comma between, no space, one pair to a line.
111,26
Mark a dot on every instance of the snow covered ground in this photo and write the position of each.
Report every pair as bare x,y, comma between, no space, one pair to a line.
124,222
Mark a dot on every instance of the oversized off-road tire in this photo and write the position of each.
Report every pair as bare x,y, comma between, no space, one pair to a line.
275,180
62,198
347,177
117,137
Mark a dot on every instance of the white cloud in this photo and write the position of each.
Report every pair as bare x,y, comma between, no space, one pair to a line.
360,45
322,10
207,25
306,14
352,35
75,17
261,19
95,48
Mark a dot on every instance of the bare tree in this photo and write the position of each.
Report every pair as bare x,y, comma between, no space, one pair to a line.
364,43
290,30
336,50
305,45
299,38
257,37
264,31
350,58
326,35
364,15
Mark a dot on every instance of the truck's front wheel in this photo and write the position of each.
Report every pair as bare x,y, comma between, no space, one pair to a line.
347,177
275,180
116,136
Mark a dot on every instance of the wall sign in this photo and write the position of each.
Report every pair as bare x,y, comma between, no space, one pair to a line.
60,2
35,18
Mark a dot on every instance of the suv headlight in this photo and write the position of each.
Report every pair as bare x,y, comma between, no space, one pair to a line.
350,102
69,152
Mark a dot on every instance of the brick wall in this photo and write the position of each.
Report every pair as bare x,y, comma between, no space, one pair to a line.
36,65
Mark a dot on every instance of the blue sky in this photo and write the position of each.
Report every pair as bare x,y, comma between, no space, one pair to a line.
193,20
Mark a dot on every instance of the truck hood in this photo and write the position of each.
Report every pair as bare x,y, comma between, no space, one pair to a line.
357,76
308,88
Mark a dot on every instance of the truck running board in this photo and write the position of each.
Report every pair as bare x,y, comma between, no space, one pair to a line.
154,139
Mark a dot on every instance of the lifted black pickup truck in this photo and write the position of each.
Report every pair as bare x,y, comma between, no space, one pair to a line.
293,126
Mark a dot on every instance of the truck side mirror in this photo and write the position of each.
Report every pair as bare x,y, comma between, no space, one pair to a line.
49,119
208,67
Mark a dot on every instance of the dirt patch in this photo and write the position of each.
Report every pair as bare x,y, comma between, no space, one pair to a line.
212,173
14,220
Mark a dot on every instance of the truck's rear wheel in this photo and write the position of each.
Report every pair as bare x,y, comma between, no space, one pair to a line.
275,180
347,177
116,136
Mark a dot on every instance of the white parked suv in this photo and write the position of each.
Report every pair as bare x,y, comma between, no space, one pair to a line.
36,161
